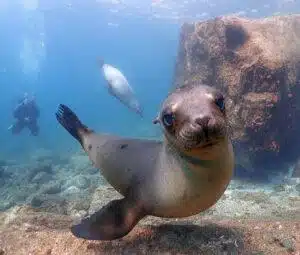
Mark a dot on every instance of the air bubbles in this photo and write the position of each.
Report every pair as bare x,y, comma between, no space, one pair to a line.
113,10
113,24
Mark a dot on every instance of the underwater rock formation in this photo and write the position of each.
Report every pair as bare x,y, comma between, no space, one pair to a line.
48,233
53,184
256,63
42,212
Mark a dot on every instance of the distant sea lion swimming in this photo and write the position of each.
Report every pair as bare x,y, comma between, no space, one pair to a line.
119,87
182,175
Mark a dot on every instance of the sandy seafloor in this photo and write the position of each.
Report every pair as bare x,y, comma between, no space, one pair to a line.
39,201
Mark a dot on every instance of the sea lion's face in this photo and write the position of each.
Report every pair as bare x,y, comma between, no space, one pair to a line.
193,117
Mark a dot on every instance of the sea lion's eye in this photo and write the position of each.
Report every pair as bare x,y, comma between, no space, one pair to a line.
220,102
168,119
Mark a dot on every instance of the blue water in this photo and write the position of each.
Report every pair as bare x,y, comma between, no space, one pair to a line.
138,37
144,50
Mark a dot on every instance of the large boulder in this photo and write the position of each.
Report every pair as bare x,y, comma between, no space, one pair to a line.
256,63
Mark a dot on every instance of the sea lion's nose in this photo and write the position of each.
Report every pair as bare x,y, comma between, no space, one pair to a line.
202,121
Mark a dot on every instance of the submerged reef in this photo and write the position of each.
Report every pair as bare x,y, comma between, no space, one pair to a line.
39,201
51,183
72,186
256,63
26,231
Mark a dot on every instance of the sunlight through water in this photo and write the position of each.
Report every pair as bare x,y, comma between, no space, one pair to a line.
33,50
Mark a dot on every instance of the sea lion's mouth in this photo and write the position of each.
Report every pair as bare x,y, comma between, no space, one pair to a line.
190,138
208,145
199,145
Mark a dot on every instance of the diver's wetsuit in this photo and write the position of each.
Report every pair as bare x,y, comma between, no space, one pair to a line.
26,113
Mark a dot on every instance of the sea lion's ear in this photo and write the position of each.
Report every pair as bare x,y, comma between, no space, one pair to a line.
156,120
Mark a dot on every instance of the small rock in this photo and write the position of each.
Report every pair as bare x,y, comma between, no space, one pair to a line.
78,181
47,168
71,190
36,201
82,182
80,203
29,228
257,197
279,188
288,244
51,188
41,177
78,214
2,252
49,203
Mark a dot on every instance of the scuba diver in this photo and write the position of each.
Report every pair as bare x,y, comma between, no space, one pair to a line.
26,113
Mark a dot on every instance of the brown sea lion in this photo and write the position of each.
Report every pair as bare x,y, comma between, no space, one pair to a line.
182,175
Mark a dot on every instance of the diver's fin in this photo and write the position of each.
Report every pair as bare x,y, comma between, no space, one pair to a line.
68,119
113,221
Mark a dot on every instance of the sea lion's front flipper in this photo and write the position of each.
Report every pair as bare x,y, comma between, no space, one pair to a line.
112,221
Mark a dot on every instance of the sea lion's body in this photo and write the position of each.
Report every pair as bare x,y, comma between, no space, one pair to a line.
159,178
154,173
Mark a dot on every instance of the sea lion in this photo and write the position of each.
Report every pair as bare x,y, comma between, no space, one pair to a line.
182,175
119,87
